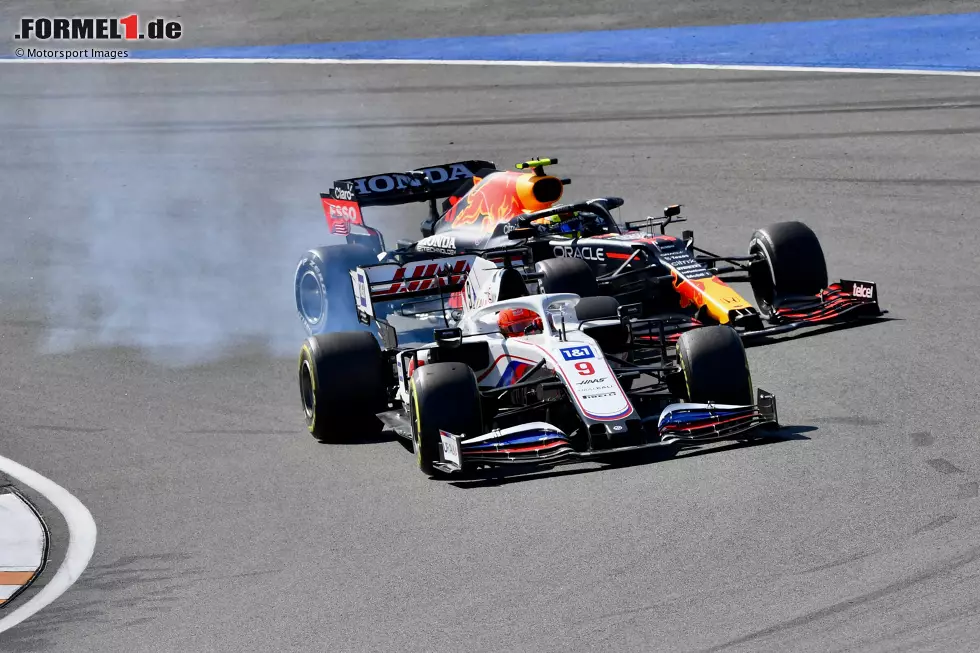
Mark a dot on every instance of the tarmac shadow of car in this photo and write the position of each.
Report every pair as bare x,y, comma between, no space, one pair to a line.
818,331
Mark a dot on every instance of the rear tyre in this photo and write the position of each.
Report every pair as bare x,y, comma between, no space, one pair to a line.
571,275
324,294
342,384
714,366
444,396
792,263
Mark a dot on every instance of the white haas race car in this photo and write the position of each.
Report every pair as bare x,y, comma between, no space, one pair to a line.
510,378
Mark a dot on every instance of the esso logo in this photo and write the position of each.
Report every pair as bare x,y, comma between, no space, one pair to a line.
343,212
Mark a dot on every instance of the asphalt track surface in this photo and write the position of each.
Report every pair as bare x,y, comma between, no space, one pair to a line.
223,526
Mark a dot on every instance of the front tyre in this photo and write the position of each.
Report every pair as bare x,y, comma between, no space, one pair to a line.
324,295
342,384
791,263
443,396
714,366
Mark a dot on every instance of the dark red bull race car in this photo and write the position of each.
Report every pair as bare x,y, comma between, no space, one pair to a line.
516,218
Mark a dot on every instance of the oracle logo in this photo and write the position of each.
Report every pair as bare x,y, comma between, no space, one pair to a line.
588,253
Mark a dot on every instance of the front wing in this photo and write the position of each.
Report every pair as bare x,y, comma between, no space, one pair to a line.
841,302
541,444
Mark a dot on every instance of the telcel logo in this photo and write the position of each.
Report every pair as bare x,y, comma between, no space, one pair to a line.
865,292
126,28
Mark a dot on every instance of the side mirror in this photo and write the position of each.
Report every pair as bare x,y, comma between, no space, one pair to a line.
688,237
672,210
450,338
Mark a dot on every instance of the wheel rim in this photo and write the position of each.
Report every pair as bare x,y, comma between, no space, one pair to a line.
763,289
311,300
306,389
685,374
417,431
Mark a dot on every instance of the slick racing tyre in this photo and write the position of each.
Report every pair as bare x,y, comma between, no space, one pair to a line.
714,365
792,263
570,275
324,294
443,396
597,308
612,338
342,384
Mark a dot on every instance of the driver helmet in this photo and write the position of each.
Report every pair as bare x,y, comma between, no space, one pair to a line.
567,229
519,322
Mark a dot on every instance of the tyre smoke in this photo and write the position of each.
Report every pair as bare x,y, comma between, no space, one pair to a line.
171,229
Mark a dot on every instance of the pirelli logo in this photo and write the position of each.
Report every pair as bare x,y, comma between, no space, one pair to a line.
126,28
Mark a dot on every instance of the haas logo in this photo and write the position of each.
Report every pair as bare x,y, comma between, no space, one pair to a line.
862,291
426,276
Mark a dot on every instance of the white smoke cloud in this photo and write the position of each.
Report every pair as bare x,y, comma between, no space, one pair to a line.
180,243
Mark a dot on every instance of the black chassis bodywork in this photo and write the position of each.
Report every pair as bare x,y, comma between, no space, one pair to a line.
636,263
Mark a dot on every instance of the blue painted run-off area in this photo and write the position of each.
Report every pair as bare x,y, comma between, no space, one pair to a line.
944,42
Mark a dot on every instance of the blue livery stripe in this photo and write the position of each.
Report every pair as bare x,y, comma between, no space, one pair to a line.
524,439
513,373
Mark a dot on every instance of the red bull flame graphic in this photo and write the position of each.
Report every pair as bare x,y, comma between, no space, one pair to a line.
493,200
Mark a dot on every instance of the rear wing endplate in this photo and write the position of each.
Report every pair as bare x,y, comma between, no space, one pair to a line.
342,210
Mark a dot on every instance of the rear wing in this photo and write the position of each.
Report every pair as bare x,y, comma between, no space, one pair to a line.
388,282
421,185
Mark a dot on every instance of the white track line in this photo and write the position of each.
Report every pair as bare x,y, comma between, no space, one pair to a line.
81,540
494,62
